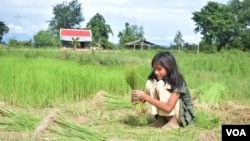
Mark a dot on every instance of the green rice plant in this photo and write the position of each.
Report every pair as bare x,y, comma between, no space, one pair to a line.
17,121
69,130
46,79
206,120
212,93
41,82
132,78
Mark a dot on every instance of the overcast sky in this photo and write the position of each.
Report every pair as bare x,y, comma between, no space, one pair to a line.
161,19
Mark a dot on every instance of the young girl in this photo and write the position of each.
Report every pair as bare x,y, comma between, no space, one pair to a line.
167,92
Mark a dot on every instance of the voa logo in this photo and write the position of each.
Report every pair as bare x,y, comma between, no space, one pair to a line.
236,132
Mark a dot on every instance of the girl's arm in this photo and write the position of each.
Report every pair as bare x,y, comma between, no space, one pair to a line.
167,107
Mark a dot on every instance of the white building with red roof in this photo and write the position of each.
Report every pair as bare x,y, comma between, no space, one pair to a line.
67,35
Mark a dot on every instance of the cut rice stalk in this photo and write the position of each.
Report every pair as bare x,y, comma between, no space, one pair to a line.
63,127
115,102
17,121
45,123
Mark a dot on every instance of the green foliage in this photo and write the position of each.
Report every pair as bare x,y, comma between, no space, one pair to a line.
224,26
44,38
75,42
66,15
3,30
100,30
106,44
130,33
178,40
15,43
207,48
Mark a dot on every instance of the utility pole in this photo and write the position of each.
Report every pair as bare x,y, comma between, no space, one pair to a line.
142,43
198,48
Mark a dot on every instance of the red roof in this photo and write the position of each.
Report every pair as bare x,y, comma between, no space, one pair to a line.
75,32
68,34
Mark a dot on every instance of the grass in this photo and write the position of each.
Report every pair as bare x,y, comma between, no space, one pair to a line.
212,93
42,79
206,120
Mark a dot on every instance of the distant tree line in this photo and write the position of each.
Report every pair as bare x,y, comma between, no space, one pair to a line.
221,26
224,26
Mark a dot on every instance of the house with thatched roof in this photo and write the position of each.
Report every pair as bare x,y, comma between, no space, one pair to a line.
67,35
140,44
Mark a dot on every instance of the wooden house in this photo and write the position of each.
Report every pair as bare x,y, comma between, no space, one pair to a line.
140,44
67,35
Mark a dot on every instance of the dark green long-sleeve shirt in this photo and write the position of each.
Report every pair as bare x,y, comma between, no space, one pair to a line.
187,114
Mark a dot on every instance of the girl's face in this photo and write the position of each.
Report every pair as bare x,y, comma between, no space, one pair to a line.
159,71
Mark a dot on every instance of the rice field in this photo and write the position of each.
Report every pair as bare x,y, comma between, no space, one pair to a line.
38,80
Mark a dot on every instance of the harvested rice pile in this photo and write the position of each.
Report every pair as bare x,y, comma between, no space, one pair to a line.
53,127
17,121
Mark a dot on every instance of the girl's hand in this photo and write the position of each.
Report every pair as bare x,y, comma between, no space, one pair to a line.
138,94
134,99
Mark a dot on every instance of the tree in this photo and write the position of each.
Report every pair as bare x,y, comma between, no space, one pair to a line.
214,22
241,21
178,40
224,26
130,33
45,38
75,42
3,30
100,30
13,42
66,15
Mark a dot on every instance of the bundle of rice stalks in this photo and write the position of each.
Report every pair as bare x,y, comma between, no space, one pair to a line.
17,121
132,78
45,123
66,129
116,102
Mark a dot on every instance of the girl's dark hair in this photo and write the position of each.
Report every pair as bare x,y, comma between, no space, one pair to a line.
167,60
